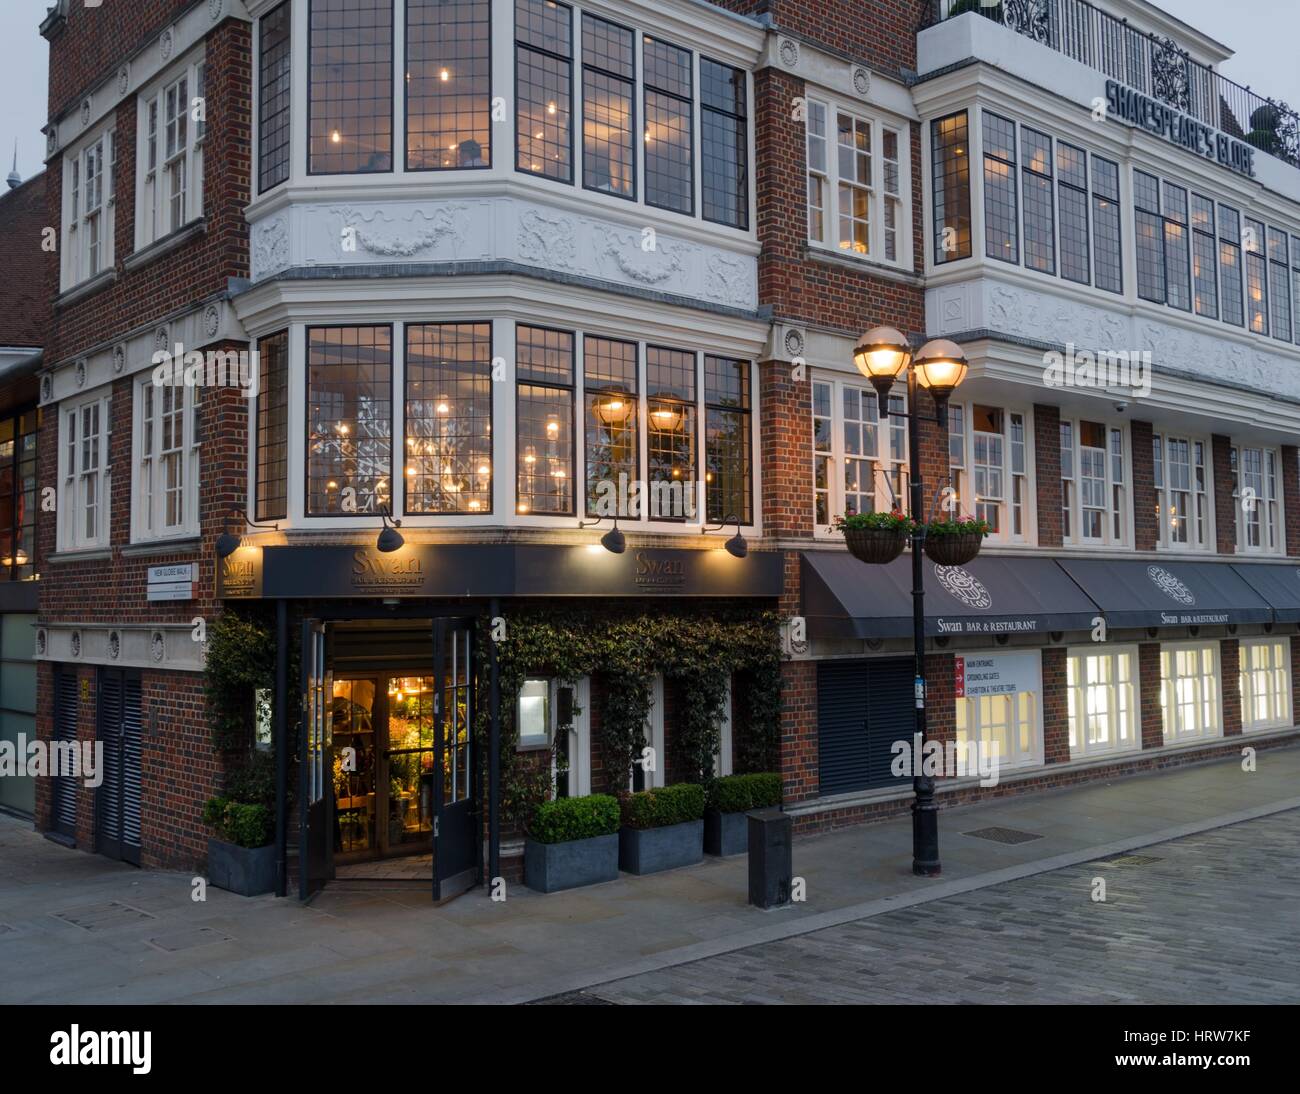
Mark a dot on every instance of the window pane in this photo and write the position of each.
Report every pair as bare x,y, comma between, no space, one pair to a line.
610,379
724,144
951,168
1000,212
608,155
1040,225
1072,196
351,76
350,418
274,101
449,418
669,166
670,391
544,472
728,471
273,427
448,84
543,79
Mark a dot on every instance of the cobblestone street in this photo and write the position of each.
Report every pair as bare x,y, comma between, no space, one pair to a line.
1211,918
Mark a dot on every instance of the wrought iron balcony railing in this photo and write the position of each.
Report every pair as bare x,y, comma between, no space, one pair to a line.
1149,63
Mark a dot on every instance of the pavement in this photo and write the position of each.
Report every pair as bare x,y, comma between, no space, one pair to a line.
76,927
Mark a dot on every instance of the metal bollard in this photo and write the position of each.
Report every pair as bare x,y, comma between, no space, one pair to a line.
770,869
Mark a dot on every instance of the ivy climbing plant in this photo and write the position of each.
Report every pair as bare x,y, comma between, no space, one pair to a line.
699,650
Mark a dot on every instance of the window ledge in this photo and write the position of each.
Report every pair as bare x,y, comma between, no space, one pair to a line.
867,266
178,545
81,554
168,243
86,288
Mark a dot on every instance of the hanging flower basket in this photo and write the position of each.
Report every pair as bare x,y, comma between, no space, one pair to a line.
955,542
876,538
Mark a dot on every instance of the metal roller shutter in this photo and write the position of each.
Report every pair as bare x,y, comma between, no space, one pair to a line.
863,707
63,814
118,798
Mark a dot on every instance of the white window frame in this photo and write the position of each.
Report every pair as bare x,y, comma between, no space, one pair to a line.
1207,711
822,108
1117,524
654,735
1265,519
88,208
724,757
1200,497
894,462
1111,693
149,487
171,144
966,479
85,472
977,706
1267,707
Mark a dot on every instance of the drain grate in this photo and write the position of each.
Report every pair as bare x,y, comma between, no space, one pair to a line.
1132,860
1003,835
102,917
188,939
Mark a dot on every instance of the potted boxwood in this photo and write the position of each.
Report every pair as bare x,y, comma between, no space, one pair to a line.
572,842
876,537
955,542
726,830
241,857
662,828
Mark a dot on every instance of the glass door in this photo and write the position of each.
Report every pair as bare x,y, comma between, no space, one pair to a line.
354,765
409,764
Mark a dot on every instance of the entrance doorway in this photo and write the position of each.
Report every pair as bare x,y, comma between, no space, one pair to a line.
383,766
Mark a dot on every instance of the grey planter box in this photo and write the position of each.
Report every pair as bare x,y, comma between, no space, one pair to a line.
248,871
725,833
550,867
649,850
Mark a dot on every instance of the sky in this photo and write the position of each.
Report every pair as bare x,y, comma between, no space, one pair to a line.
1263,32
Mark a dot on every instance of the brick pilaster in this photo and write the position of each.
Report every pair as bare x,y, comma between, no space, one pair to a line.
1056,713
1153,726
1047,471
1291,498
1146,531
1230,674
1225,510
800,762
786,451
940,698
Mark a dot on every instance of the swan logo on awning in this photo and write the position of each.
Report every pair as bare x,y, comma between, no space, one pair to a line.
1170,585
962,585
116,1048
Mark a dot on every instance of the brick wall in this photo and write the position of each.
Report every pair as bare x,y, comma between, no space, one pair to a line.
1145,528
1153,727
1225,512
1291,497
1056,711
786,451
1047,471
800,776
1230,675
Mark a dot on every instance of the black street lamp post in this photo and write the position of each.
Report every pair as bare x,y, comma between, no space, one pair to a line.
938,366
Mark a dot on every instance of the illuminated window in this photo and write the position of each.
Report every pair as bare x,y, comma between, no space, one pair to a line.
724,143
671,432
273,427
950,160
544,393
1040,221
1265,681
1256,492
1001,216
1183,502
612,441
448,84
669,136
1101,696
608,122
1094,502
543,89
275,98
728,475
1005,726
1189,692
871,454
350,95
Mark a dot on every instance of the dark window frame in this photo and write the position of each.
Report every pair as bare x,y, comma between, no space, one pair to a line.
406,99
575,415
746,414
633,125
1012,173
282,512
939,185
743,119
284,10
569,60
647,88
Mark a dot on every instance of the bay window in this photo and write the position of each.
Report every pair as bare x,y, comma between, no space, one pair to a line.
1149,234
350,87
872,454
274,97
1108,263
448,418
544,89
1279,285
448,84
1040,221
272,425
1094,498
1101,697
171,130
166,470
1189,692
1184,511
950,176
1205,292
1072,197
1265,680
84,473
857,188
544,400
671,431
1256,493
989,465
1001,213
728,440
1256,277
669,136
724,143
611,399
1230,265
349,420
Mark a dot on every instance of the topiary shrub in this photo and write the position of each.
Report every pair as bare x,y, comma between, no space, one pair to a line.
664,805
567,819
238,823
741,793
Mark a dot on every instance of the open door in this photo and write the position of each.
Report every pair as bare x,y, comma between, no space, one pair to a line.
315,767
455,806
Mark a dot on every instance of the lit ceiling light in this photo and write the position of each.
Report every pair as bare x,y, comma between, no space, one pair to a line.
442,408
444,75
336,137
484,469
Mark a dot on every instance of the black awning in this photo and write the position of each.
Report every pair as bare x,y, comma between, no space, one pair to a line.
845,598
1134,593
1278,584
